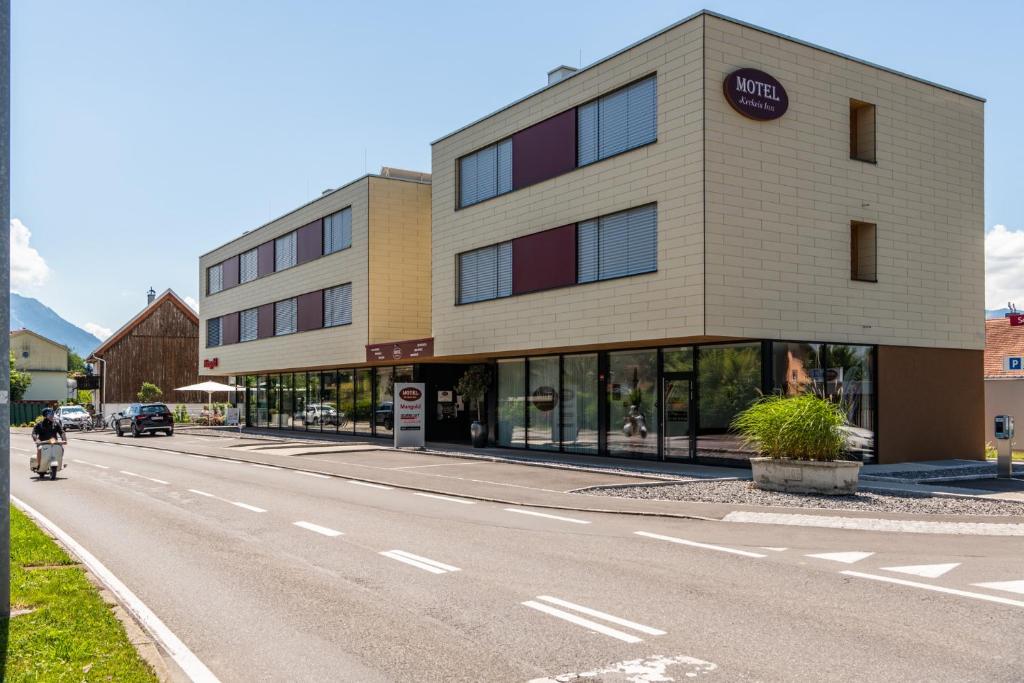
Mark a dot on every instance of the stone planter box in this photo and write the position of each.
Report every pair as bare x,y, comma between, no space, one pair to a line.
836,478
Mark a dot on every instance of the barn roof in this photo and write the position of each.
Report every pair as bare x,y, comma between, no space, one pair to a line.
168,294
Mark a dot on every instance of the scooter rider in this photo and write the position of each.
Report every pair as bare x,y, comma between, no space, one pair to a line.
48,428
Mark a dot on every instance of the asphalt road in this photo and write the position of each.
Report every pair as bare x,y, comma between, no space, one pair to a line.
272,575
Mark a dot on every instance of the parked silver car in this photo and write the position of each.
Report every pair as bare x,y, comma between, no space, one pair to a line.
74,417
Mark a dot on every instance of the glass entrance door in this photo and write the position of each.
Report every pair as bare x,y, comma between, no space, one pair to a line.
676,399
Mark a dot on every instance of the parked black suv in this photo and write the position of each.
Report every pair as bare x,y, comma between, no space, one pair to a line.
145,417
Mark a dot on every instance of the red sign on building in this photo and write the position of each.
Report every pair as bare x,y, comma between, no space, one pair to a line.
400,350
1016,319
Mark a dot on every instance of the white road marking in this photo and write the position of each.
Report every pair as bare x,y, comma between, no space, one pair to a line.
311,474
189,663
432,566
547,516
244,506
372,486
845,558
266,467
938,589
585,623
92,464
1009,586
872,524
318,529
775,549
695,544
651,670
448,498
132,474
930,571
601,615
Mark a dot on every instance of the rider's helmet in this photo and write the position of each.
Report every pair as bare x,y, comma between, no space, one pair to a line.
47,412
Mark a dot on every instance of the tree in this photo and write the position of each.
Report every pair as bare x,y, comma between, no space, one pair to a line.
19,381
149,393
473,385
76,366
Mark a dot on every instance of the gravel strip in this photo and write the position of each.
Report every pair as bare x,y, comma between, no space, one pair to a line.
943,472
744,493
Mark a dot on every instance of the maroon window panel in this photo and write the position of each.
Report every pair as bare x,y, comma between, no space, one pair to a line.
265,321
229,270
229,328
310,242
265,259
544,260
544,150
310,311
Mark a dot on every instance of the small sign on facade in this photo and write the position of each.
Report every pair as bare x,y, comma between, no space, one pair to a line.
410,414
1016,319
755,94
1013,363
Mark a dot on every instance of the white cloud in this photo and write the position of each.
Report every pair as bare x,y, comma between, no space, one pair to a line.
98,331
28,268
1004,267
192,302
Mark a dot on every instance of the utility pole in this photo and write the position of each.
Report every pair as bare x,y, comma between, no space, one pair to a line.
5,308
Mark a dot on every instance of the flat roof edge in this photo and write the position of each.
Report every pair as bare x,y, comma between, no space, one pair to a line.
365,176
710,13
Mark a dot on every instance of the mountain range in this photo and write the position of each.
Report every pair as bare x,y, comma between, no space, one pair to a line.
32,314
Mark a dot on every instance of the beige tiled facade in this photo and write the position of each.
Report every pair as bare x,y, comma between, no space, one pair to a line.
385,212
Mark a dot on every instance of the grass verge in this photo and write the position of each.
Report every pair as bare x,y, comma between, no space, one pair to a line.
71,634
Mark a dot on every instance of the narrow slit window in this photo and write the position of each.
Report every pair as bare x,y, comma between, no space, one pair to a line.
863,252
862,131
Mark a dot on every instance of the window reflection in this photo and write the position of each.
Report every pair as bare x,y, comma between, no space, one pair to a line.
632,417
729,380
579,404
512,403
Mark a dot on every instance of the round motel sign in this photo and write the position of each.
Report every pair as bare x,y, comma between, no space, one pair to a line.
755,94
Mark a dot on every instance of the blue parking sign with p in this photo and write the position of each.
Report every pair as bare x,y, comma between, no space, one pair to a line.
1015,363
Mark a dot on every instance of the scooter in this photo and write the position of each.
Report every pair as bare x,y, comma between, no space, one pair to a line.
49,460
635,423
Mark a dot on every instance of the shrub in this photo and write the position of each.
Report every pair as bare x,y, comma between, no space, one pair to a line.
803,427
990,451
181,415
473,386
149,393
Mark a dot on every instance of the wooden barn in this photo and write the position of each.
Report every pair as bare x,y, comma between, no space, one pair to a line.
159,345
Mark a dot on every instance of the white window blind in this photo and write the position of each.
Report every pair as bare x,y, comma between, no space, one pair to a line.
617,245
485,273
338,231
248,325
485,173
284,251
213,335
214,279
284,317
617,122
248,266
338,305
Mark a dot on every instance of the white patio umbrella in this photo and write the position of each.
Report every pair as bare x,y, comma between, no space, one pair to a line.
210,388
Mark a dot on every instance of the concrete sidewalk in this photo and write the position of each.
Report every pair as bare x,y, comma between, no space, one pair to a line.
545,484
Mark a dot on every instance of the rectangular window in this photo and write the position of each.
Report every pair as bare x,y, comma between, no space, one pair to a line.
485,173
862,131
618,122
619,244
485,273
338,231
213,332
285,317
214,279
248,267
512,402
578,403
338,305
284,252
248,326
863,252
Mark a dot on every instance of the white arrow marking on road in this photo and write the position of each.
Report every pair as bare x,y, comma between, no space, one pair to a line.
650,670
372,486
1009,586
937,589
92,464
312,474
541,514
132,474
845,558
432,566
773,548
318,529
695,544
448,498
929,571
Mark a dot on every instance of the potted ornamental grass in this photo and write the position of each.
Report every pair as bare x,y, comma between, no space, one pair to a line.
802,445
472,386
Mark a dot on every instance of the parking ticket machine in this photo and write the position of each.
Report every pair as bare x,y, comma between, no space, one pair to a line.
1004,433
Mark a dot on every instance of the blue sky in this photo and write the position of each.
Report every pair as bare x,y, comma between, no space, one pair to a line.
146,133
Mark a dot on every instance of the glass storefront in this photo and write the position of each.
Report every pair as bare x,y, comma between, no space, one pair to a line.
670,403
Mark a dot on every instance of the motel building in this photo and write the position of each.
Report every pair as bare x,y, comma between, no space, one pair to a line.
637,251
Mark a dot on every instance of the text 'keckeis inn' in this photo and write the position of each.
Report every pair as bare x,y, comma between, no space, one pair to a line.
710,213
